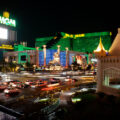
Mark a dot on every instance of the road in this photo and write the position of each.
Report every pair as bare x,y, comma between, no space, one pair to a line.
25,99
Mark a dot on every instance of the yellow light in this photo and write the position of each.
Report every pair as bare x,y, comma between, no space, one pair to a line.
55,37
6,14
71,36
6,46
110,33
100,47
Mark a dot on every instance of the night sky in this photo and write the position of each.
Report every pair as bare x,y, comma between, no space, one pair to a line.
37,19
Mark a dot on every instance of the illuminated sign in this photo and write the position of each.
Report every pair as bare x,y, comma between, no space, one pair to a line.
3,33
73,36
6,47
7,21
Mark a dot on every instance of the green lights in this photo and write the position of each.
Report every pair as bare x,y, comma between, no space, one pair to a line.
86,42
7,21
66,35
74,100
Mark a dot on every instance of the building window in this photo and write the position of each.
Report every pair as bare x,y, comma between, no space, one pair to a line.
112,78
23,58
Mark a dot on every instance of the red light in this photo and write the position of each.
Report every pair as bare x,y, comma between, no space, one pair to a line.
48,88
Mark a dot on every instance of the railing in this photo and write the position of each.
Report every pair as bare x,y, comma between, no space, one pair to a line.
4,116
49,109
6,112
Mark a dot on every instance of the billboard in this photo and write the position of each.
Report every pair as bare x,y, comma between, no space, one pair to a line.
3,33
7,36
49,57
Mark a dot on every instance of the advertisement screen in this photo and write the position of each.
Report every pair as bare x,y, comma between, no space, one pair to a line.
79,60
3,33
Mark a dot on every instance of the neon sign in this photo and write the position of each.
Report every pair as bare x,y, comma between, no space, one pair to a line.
6,47
73,36
7,21
3,33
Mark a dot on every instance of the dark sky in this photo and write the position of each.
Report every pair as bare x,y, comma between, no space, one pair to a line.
36,19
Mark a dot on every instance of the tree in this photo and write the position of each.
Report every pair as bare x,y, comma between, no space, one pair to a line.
28,66
12,66
75,65
3,65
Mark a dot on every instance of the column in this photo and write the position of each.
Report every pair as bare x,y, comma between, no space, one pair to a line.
99,76
58,50
44,50
72,59
37,56
66,57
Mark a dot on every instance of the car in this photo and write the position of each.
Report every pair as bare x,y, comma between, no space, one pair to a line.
53,84
2,87
11,90
16,85
38,84
15,81
54,80
48,88
28,82
37,81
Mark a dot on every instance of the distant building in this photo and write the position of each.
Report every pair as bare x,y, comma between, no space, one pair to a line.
22,54
70,47
86,42
8,33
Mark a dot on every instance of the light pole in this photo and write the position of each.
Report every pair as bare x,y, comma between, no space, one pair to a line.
37,56
58,51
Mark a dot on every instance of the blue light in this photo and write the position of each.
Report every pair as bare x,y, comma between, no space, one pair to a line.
49,57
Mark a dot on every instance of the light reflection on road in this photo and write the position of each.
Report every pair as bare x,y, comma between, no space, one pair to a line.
37,91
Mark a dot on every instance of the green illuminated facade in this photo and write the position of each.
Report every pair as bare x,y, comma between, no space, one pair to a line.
87,42
22,48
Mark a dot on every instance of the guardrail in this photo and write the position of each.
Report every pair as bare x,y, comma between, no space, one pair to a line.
49,109
10,112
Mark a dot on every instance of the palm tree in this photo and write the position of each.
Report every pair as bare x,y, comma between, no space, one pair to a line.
12,66
3,66
28,65
75,66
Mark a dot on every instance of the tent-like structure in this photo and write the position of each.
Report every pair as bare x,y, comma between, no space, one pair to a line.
115,48
100,51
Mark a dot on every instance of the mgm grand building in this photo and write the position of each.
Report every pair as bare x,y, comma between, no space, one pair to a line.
8,34
62,49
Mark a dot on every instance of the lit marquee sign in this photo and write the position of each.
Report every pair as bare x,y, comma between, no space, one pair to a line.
73,36
3,33
7,21
6,47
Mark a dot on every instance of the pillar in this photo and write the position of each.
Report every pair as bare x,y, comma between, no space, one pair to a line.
89,58
72,59
58,50
99,76
37,56
44,50
66,57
